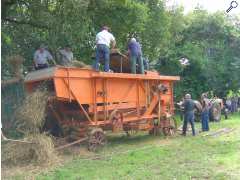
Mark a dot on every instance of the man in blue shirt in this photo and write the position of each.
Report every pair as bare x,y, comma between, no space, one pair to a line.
135,53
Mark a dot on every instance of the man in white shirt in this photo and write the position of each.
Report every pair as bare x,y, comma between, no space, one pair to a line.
103,42
41,58
66,56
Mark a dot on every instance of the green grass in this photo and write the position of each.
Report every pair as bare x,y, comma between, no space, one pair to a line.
147,157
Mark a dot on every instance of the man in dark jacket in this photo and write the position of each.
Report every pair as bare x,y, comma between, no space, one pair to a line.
189,107
135,53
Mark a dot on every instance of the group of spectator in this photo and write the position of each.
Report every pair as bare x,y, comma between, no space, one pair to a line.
231,105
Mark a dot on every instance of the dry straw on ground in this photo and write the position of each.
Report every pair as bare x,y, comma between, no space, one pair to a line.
30,116
15,62
38,149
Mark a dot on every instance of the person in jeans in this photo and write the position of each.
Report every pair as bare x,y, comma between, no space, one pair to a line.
103,40
135,53
189,107
205,115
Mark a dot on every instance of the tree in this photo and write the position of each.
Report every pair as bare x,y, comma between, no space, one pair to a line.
210,41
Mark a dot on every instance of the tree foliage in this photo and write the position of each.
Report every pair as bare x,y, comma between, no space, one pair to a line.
211,42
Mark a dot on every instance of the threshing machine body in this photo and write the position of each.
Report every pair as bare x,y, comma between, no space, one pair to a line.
112,101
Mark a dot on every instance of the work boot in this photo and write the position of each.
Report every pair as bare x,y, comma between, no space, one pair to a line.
183,134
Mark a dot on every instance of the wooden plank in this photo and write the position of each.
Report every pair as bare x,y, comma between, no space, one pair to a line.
129,119
152,105
10,81
40,75
70,144
134,76
113,106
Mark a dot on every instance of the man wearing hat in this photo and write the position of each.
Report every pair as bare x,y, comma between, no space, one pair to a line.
103,40
66,56
189,107
41,58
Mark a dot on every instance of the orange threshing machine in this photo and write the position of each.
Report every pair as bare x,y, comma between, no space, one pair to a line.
92,102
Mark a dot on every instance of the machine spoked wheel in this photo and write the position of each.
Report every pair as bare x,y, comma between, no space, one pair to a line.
171,128
97,139
167,131
154,131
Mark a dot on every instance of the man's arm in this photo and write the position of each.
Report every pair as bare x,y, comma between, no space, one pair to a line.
71,59
49,56
113,41
113,44
3,136
130,46
35,59
96,39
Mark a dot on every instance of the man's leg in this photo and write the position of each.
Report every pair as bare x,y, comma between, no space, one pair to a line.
184,125
202,121
191,119
140,64
96,63
133,60
207,123
181,115
106,59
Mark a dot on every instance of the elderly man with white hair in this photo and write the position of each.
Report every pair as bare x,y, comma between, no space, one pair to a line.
189,107
135,54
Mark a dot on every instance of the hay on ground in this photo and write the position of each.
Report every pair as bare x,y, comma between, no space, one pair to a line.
30,116
40,150
15,63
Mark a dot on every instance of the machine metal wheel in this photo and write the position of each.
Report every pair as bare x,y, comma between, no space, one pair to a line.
96,140
168,131
171,129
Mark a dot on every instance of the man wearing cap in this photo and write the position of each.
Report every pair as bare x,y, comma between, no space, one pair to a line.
103,40
135,54
189,107
66,56
41,58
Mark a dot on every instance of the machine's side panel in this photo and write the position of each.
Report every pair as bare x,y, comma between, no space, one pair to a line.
121,90
74,84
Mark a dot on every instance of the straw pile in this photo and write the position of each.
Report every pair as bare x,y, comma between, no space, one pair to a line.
30,116
115,51
80,64
15,63
35,147
39,148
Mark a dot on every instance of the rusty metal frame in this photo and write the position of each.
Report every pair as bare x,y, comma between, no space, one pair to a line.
55,113
94,99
